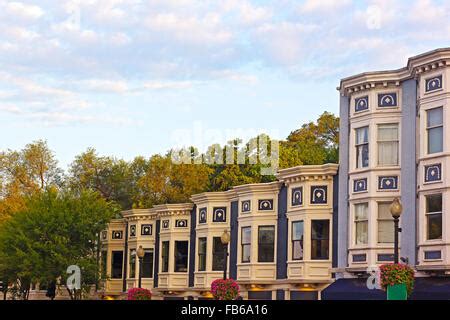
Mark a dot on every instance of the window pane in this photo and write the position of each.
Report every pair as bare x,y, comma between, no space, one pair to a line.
387,153
246,253
385,223
386,231
361,232
361,211
104,261
218,254
320,239
132,270
434,226
202,254
362,135
434,203
362,156
384,211
246,235
297,250
181,256
297,230
266,240
116,264
435,140
387,132
434,117
147,264
165,256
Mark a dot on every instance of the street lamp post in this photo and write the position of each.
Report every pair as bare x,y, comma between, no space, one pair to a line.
140,254
396,209
225,239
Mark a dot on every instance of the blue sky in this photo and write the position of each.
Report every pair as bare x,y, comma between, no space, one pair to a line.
130,77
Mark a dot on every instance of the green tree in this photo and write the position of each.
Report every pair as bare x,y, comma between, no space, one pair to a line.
24,173
115,179
316,142
55,231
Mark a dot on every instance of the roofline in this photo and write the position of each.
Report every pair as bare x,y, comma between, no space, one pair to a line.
395,74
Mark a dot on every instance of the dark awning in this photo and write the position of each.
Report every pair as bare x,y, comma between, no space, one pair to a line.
351,289
432,288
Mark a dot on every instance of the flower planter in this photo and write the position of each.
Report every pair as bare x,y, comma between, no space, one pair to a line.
397,292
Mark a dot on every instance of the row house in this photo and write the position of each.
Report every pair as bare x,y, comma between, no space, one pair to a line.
281,240
393,144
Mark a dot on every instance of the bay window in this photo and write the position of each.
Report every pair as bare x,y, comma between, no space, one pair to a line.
435,130
218,252
362,147
266,243
132,264
147,264
246,238
434,216
116,264
385,223
202,254
297,240
388,143
361,223
181,256
320,239
165,256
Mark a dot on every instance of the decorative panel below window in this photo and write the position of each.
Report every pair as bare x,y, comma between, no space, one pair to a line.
297,196
387,100
246,206
183,223
361,103
360,185
388,183
133,230
165,224
433,255
319,194
359,258
146,230
203,212
220,214
385,257
117,235
433,83
265,205
433,173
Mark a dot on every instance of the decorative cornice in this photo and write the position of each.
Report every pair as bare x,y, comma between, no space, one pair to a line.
254,188
308,173
416,65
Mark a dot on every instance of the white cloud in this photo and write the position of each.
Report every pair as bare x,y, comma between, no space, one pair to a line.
323,5
21,10
101,85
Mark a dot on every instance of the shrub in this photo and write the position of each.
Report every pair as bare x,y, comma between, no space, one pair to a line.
225,289
139,294
392,274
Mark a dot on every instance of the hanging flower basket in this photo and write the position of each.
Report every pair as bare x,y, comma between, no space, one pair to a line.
225,289
139,294
397,280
